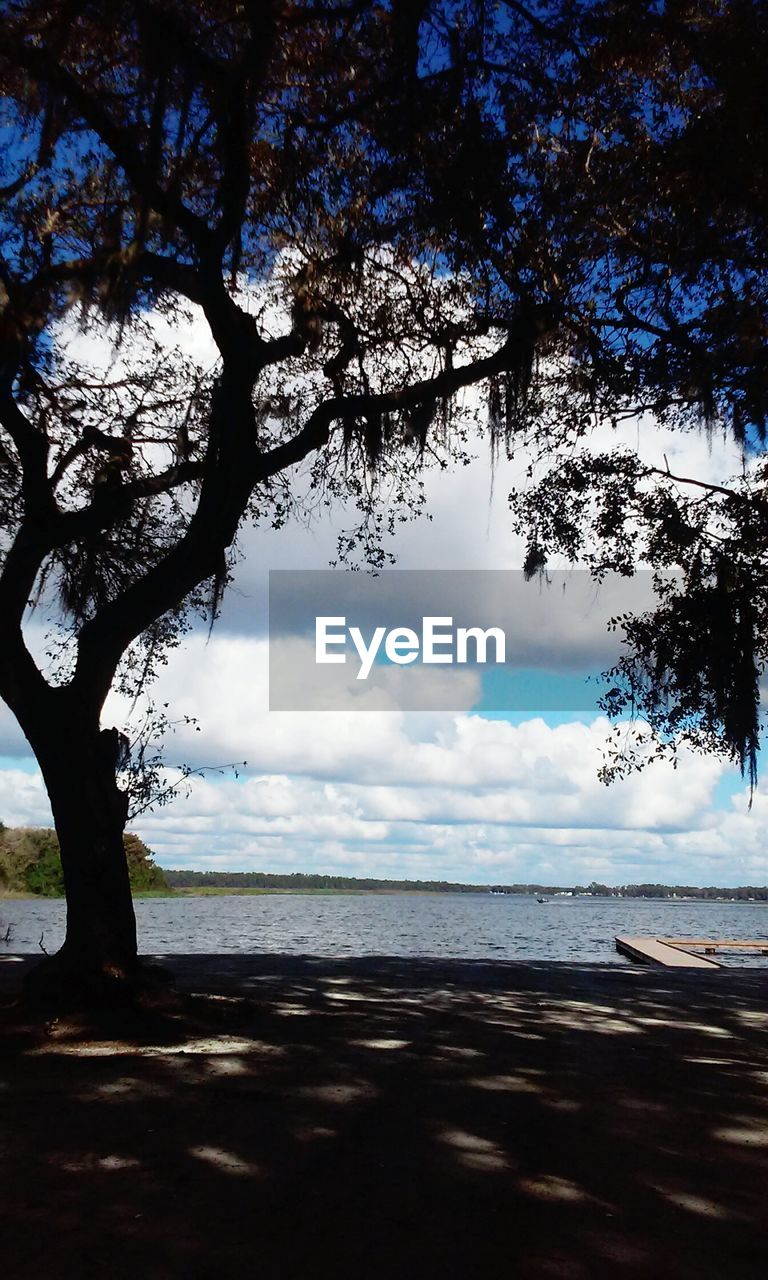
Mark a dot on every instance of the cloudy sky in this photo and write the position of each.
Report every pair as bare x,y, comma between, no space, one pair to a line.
473,795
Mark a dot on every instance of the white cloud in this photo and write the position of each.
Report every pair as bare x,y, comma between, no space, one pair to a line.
500,833
509,829
223,681
23,800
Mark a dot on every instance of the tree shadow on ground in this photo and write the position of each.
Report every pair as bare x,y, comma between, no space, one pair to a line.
394,1117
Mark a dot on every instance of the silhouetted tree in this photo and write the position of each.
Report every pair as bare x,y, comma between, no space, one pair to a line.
371,206
682,178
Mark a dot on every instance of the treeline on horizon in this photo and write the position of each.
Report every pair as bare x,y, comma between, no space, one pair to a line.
183,879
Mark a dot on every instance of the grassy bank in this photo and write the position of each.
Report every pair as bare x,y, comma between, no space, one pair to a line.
210,892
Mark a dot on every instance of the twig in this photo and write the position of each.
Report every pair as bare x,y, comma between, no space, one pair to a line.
700,484
40,943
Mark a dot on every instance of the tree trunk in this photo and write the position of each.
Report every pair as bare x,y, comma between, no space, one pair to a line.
89,812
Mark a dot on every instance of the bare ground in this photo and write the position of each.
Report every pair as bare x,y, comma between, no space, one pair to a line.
289,1118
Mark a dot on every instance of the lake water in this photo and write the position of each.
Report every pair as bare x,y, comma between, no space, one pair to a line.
481,926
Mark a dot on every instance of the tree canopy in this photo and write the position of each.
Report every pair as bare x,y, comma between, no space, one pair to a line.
30,863
372,207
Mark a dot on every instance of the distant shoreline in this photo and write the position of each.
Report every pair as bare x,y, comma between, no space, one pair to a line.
311,882
236,891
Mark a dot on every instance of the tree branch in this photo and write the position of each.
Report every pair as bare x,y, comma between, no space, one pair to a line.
236,121
299,15
228,474
316,430
114,504
227,487
32,448
13,188
703,484
119,139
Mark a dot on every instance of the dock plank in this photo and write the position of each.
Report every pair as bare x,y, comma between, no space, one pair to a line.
717,944
657,951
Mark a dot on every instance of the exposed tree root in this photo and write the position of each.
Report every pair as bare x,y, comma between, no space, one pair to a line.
67,983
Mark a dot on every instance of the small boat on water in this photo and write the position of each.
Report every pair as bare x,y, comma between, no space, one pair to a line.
541,899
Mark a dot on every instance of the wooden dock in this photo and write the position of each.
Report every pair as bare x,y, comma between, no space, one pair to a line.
720,944
662,951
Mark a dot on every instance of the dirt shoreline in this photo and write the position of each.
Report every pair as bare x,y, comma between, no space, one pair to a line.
292,1117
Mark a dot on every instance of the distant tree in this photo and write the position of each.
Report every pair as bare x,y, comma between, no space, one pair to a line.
20,850
44,875
371,206
143,872
30,861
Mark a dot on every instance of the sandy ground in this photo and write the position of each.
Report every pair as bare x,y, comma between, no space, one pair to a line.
393,1118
